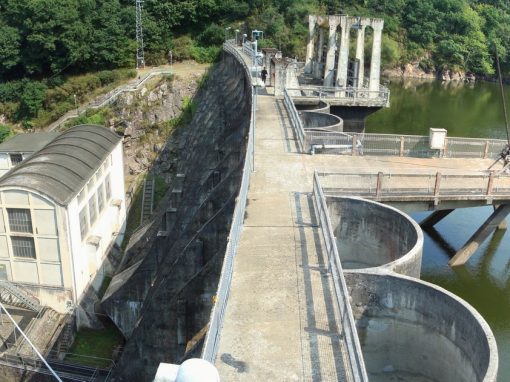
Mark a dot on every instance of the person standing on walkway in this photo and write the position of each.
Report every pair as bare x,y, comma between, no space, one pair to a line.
263,74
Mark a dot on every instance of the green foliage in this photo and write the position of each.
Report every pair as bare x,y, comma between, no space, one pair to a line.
160,189
5,132
31,100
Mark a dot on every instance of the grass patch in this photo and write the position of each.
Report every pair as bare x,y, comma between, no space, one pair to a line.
160,188
95,347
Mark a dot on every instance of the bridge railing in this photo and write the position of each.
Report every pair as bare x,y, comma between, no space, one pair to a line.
415,186
212,338
348,94
296,122
418,146
356,362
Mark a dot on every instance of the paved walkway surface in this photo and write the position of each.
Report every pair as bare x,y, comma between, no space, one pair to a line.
280,323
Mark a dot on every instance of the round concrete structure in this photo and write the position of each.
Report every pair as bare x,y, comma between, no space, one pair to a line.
371,234
413,331
319,107
315,120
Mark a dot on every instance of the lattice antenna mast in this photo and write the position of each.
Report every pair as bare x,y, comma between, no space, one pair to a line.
140,60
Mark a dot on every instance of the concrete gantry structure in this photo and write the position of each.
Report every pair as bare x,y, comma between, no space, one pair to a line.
335,70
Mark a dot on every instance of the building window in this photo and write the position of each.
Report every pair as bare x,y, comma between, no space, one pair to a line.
92,209
20,220
100,197
16,159
23,247
108,187
84,224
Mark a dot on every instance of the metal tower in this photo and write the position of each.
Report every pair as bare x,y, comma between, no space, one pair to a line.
140,60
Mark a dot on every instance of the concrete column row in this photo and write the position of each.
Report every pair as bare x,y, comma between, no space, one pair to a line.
345,24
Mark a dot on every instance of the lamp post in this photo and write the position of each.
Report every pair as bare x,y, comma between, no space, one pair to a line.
227,29
237,32
76,105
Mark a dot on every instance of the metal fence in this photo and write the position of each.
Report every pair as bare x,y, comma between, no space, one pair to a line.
356,362
419,146
345,95
295,120
211,342
417,187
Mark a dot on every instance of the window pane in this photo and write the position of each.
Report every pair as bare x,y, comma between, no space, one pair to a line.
16,159
23,247
100,197
84,225
19,220
108,187
92,209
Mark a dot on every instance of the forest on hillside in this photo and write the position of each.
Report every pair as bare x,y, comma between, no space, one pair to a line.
42,42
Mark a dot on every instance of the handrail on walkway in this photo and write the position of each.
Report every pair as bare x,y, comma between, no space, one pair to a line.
347,94
211,342
355,355
295,120
432,187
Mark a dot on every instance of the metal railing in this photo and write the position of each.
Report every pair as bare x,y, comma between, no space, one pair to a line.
419,146
211,341
347,95
295,120
355,356
248,50
418,187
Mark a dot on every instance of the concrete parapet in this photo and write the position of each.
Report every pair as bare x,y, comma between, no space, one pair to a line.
374,235
411,330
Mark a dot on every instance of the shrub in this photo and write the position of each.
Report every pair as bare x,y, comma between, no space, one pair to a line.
205,55
5,132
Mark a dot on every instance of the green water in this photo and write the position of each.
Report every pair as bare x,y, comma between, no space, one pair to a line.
465,111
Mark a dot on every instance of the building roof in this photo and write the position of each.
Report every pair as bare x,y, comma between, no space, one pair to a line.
66,164
27,143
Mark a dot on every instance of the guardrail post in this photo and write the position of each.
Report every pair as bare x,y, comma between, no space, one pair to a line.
437,186
401,146
445,150
354,143
486,150
378,189
489,184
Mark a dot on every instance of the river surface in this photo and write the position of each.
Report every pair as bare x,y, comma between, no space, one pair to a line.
465,111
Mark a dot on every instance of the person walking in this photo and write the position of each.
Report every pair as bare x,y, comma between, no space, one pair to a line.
263,74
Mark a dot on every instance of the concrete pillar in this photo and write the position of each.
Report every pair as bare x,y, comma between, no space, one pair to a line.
317,70
343,54
490,225
360,55
310,48
329,79
375,64
434,218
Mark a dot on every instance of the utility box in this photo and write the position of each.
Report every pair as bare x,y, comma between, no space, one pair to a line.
437,138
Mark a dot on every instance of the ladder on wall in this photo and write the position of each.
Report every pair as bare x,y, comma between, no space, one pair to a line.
147,197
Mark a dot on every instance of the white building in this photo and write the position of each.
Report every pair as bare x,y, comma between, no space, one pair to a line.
60,210
20,147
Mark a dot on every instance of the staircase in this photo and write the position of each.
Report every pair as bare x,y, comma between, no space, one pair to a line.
147,198
14,295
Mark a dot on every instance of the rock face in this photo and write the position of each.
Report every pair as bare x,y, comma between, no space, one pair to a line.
162,294
137,115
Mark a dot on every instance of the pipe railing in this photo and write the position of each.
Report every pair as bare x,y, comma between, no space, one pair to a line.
212,339
432,187
346,93
295,120
356,362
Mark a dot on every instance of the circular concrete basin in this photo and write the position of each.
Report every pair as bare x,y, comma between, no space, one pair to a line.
314,120
320,107
370,234
413,331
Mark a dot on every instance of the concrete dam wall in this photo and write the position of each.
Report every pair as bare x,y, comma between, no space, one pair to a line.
162,295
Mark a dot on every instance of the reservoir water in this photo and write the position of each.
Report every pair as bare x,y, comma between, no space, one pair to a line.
472,110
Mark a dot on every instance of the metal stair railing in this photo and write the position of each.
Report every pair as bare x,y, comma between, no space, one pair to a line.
20,295
147,198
